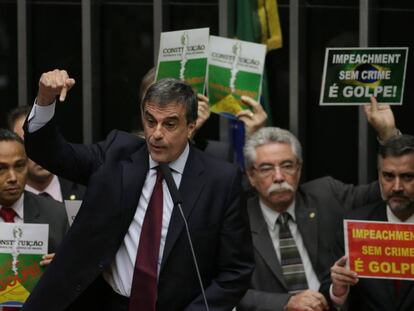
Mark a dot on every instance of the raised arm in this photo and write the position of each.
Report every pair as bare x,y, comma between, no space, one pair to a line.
381,119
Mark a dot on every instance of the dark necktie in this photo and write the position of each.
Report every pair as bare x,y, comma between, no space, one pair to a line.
7,214
144,282
290,260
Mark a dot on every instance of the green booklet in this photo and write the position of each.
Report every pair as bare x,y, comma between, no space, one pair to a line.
183,55
235,68
21,249
352,75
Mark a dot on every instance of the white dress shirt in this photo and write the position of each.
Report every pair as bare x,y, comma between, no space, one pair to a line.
119,275
53,189
270,217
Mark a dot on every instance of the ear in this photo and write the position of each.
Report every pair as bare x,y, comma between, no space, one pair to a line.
191,128
251,176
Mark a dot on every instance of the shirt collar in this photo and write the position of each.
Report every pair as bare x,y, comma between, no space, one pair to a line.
177,165
392,218
53,189
18,207
270,215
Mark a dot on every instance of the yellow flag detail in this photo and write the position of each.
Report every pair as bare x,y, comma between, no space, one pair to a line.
271,32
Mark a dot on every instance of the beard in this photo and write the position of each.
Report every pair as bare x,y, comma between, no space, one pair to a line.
403,205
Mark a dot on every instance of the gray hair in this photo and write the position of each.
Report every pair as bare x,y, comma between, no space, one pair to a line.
269,135
170,90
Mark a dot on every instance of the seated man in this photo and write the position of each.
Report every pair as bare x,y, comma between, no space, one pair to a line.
292,224
396,178
40,180
17,205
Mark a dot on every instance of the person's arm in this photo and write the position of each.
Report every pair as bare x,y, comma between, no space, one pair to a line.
381,118
253,119
46,146
342,278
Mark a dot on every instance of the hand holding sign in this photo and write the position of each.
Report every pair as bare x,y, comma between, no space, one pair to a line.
342,277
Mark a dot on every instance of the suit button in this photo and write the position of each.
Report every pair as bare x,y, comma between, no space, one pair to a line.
78,288
100,265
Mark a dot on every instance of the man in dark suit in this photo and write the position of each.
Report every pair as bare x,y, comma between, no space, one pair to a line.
106,236
40,180
314,210
396,177
26,207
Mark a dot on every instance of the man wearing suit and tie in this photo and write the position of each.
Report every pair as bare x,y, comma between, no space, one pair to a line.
293,251
125,193
396,177
17,205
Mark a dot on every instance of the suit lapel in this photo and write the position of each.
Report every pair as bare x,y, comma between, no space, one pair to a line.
192,183
31,213
262,241
307,222
134,172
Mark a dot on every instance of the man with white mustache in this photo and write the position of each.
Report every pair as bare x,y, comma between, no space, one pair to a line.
293,252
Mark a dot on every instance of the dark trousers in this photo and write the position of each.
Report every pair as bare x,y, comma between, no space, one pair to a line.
100,297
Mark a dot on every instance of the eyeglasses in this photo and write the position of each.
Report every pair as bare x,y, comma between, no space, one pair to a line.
288,168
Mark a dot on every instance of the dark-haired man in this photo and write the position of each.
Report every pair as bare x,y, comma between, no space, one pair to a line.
40,180
17,205
396,178
128,207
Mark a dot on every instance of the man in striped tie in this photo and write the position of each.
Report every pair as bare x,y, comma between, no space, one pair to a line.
293,226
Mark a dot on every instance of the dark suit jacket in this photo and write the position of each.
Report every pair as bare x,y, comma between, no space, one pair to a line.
372,294
71,190
320,206
115,171
41,210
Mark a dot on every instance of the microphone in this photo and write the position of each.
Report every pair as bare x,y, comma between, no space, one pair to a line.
177,200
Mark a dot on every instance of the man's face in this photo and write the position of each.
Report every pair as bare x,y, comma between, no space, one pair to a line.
275,175
35,171
166,130
13,171
396,176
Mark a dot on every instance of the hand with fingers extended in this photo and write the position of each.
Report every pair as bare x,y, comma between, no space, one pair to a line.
342,277
308,300
52,84
381,119
253,119
47,259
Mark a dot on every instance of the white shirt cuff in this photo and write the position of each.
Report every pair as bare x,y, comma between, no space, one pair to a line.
338,300
39,116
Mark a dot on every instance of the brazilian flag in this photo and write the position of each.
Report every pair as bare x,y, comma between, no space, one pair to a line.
254,21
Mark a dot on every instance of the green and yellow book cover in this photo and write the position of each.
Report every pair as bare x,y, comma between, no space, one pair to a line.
21,249
183,55
235,68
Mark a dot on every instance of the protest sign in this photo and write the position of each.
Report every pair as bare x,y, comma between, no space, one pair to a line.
21,249
183,55
235,68
352,75
380,249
